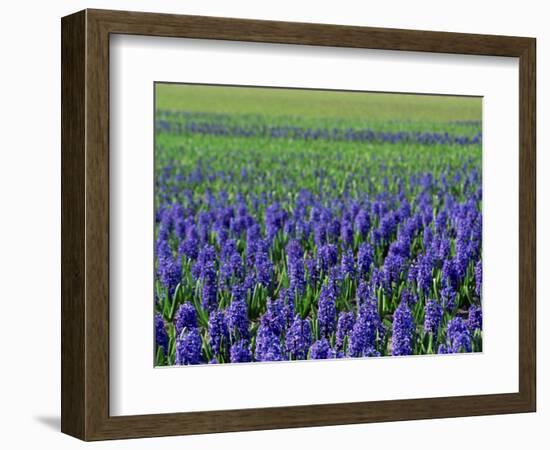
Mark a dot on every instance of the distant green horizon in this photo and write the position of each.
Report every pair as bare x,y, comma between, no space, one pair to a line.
357,106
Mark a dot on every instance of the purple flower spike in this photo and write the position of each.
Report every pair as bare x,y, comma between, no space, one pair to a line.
458,336
218,332
475,318
274,317
327,310
296,271
362,223
240,352
365,258
264,266
169,268
478,275
188,348
237,315
403,331
161,337
268,345
186,318
320,350
346,321
298,338
348,264
366,332
432,317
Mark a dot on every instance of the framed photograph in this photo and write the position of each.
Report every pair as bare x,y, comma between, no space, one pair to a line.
273,225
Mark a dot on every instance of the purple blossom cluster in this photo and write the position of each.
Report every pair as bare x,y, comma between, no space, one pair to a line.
281,269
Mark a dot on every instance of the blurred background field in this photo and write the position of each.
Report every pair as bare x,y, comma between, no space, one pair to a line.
356,106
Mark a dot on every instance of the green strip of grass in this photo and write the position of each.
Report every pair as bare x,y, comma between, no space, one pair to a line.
366,106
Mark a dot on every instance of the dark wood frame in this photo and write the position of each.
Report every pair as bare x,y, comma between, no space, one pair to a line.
85,224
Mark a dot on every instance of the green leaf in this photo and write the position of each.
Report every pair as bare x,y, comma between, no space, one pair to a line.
159,359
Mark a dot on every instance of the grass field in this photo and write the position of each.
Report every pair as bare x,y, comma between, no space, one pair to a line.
300,224
315,104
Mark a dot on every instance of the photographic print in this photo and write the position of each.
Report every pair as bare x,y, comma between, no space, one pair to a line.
301,224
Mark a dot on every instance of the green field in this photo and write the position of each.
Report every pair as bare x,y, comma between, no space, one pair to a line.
355,106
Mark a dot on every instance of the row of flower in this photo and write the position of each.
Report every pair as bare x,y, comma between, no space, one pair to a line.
241,277
210,126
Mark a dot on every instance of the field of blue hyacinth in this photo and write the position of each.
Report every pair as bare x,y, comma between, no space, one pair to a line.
293,225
